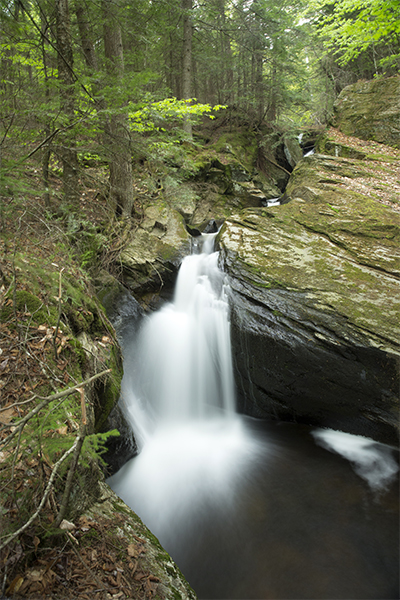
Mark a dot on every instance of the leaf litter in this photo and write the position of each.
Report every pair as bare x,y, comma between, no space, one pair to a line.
91,559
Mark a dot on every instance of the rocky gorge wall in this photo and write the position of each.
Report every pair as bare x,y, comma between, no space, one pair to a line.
315,284
315,302
370,110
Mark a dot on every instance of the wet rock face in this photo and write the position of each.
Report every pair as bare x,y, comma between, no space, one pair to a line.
291,364
370,110
315,302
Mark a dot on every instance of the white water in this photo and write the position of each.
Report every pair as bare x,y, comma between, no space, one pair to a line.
178,395
372,461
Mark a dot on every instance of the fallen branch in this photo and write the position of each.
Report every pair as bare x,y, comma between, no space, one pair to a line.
68,484
74,463
46,401
276,165
10,537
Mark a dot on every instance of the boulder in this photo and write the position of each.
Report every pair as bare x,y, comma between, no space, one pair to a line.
155,250
370,110
229,180
316,299
292,149
136,544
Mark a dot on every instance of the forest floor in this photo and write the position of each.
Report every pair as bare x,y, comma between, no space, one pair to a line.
89,560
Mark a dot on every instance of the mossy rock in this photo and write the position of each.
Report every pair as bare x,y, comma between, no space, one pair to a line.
370,110
31,305
127,528
153,254
326,146
239,148
316,299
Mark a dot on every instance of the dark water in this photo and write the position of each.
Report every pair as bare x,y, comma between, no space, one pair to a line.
304,525
297,522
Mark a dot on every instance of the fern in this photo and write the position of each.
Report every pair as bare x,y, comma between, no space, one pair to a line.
95,445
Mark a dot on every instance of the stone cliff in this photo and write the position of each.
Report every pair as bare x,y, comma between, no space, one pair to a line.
316,295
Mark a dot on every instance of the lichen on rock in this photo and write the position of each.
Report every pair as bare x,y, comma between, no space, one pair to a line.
316,299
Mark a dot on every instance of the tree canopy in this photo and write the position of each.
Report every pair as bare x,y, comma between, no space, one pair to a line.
110,79
351,27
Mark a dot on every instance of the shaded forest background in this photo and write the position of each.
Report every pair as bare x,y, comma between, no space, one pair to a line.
114,80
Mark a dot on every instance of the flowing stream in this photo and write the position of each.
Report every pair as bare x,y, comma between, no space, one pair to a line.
247,509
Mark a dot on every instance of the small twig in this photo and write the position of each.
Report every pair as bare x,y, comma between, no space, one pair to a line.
3,585
15,404
15,460
59,316
158,273
46,401
11,537
49,137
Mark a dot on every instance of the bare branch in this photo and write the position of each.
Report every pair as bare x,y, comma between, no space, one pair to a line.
68,484
74,463
46,401
12,536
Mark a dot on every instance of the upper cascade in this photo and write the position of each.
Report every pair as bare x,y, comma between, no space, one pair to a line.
183,369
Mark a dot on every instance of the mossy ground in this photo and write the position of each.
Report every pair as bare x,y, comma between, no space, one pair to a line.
46,303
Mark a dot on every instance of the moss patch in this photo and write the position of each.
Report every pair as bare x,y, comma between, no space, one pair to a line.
339,247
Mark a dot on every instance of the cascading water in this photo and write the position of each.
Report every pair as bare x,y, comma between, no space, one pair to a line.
185,369
246,509
179,397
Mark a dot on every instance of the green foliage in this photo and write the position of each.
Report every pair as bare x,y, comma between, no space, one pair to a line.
86,238
95,445
156,116
350,27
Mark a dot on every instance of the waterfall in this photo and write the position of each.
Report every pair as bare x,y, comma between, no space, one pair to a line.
178,395
247,509
185,367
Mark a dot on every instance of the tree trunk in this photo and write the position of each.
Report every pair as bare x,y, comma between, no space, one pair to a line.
226,54
48,124
121,181
67,96
187,60
88,48
272,106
